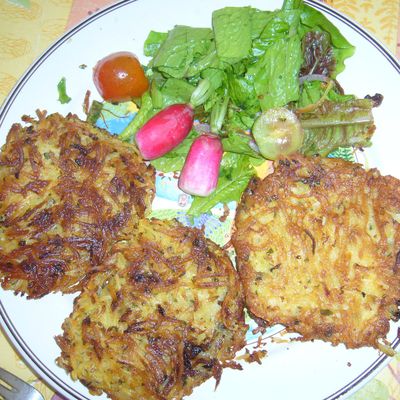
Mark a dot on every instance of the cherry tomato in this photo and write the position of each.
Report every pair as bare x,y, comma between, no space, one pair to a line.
120,77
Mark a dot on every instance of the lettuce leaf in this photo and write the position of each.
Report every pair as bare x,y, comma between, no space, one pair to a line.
337,124
94,112
239,144
292,4
312,19
242,93
153,43
180,49
318,54
311,92
146,111
236,172
276,73
258,21
231,25
171,91
207,60
174,160
63,97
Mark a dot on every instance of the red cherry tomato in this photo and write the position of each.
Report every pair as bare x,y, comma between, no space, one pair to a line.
120,77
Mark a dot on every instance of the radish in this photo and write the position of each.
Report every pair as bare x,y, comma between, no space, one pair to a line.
169,127
164,131
199,175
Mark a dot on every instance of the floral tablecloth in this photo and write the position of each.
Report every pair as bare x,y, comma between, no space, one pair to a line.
28,27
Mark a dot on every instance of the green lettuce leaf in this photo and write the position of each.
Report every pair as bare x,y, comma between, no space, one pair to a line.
258,21
279,25
312,91
153,43
63,98
169,164
239,144
242,92
238,120
172,91
236,172
146,111
232,33
292,4
207,60
276,74
175,159
183,46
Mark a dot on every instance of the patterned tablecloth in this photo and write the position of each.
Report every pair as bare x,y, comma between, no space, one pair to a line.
28,27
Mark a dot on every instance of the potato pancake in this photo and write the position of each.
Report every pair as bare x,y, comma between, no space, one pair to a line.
317,245
67,190
164,315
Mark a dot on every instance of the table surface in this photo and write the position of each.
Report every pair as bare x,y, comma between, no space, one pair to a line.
27,28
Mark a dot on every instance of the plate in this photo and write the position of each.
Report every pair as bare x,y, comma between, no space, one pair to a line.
315,370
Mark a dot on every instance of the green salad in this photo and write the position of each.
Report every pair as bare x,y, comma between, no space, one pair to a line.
233,74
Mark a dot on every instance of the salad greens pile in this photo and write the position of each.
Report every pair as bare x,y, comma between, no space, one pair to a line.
248,62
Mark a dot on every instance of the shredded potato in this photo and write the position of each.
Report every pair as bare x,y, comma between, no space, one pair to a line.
318,250
67,191
164,314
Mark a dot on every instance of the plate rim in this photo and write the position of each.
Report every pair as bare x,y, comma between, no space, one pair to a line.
6,324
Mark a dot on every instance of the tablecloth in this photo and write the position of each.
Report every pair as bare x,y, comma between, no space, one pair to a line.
28,27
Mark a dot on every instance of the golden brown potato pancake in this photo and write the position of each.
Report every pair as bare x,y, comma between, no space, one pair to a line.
67,190
164,315
317,247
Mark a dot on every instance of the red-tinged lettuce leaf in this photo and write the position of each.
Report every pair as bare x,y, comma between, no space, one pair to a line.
313,19
319,58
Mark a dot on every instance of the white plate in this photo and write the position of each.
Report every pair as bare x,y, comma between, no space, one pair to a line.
291,370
